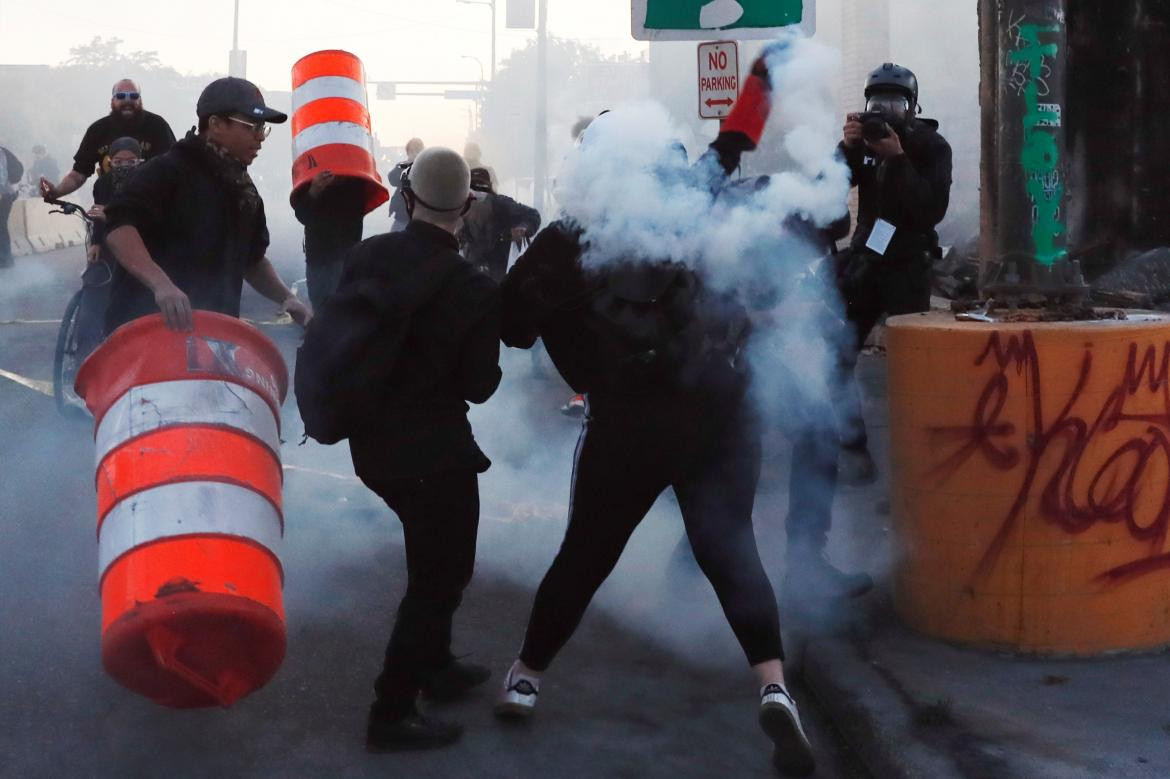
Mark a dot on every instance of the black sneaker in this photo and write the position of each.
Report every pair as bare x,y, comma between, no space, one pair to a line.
414,731
855,468
454,680
791,754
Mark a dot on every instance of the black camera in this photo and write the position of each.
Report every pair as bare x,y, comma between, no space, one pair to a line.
874,126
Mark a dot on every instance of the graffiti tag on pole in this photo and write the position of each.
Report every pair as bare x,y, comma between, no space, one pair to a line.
1040,154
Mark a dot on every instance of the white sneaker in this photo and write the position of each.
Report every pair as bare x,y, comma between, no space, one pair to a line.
518,700
792,754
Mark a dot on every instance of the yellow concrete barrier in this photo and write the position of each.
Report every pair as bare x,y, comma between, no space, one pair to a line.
1031,481
46,231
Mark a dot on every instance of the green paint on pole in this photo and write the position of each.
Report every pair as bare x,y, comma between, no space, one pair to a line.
1040,154
687,14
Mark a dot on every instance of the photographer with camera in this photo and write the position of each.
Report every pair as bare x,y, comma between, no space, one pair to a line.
901,167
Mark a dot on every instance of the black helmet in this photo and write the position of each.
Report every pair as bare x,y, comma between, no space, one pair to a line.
893,78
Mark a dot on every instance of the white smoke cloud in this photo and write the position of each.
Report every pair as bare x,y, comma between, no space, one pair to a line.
638,198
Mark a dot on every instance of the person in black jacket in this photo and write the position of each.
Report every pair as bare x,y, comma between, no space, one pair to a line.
494,223
189,227
125,156
414,446
11,171
650,345
398,212
901,167
126,117
332,209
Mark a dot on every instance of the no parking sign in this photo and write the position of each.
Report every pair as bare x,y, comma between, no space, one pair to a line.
718,78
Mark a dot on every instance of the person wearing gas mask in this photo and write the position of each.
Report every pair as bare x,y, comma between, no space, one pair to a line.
410,337
901,167
650,344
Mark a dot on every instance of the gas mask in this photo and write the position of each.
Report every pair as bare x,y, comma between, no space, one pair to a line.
893,107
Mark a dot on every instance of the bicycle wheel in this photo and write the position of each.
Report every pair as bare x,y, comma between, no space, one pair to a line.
66,360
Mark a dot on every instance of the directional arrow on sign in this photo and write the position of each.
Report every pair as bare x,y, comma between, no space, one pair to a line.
725,101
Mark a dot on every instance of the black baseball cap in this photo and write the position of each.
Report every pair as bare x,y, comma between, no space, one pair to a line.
232,95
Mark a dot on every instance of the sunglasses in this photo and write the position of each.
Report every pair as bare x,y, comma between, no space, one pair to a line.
126,95
258,128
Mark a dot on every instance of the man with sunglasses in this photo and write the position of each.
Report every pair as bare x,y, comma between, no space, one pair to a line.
901,167
127,118
189,228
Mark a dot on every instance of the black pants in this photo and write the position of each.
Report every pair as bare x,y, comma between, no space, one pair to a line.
873,286
322,278
440,519
625,458
6,202
812,483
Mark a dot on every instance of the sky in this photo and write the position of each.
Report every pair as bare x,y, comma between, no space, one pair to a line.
398,40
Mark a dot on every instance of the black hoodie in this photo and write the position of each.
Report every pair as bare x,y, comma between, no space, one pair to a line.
415,419
911,191
198,224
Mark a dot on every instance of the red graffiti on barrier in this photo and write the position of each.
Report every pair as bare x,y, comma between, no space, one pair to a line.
1074,497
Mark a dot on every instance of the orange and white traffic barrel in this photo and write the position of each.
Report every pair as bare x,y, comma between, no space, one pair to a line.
331,123
189,515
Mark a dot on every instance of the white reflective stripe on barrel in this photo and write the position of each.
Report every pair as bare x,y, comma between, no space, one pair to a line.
150,407
185,509
328,86
332,132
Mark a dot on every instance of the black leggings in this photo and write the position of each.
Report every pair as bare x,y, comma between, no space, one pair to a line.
625,458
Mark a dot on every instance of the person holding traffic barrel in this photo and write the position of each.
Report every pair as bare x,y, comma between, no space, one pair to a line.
901,167
188,228
650,343
410,337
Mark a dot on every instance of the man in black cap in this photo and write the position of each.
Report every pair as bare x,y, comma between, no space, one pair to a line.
127,117
189,227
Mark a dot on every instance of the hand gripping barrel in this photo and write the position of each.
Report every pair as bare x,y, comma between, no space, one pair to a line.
189,518
331,123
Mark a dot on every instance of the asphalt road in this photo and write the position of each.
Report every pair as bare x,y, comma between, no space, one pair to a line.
653,684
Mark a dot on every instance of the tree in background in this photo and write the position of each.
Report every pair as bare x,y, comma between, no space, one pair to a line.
581,82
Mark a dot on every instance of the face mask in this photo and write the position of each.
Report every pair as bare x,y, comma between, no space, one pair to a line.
119,176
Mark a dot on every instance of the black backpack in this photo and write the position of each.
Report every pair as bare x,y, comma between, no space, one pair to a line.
350,349
659,326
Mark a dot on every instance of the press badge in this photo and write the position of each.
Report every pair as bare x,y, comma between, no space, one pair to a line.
880,236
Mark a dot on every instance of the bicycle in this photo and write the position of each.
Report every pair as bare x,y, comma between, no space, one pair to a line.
82,323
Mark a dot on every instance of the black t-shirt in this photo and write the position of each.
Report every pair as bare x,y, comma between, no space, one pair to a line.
150,130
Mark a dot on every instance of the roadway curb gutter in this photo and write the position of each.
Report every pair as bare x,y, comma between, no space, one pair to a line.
875,719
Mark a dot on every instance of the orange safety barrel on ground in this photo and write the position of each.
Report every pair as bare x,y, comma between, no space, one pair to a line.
1031,481
331,123
189,519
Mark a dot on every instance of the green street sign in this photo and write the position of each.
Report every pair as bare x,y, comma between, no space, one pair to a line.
696,20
